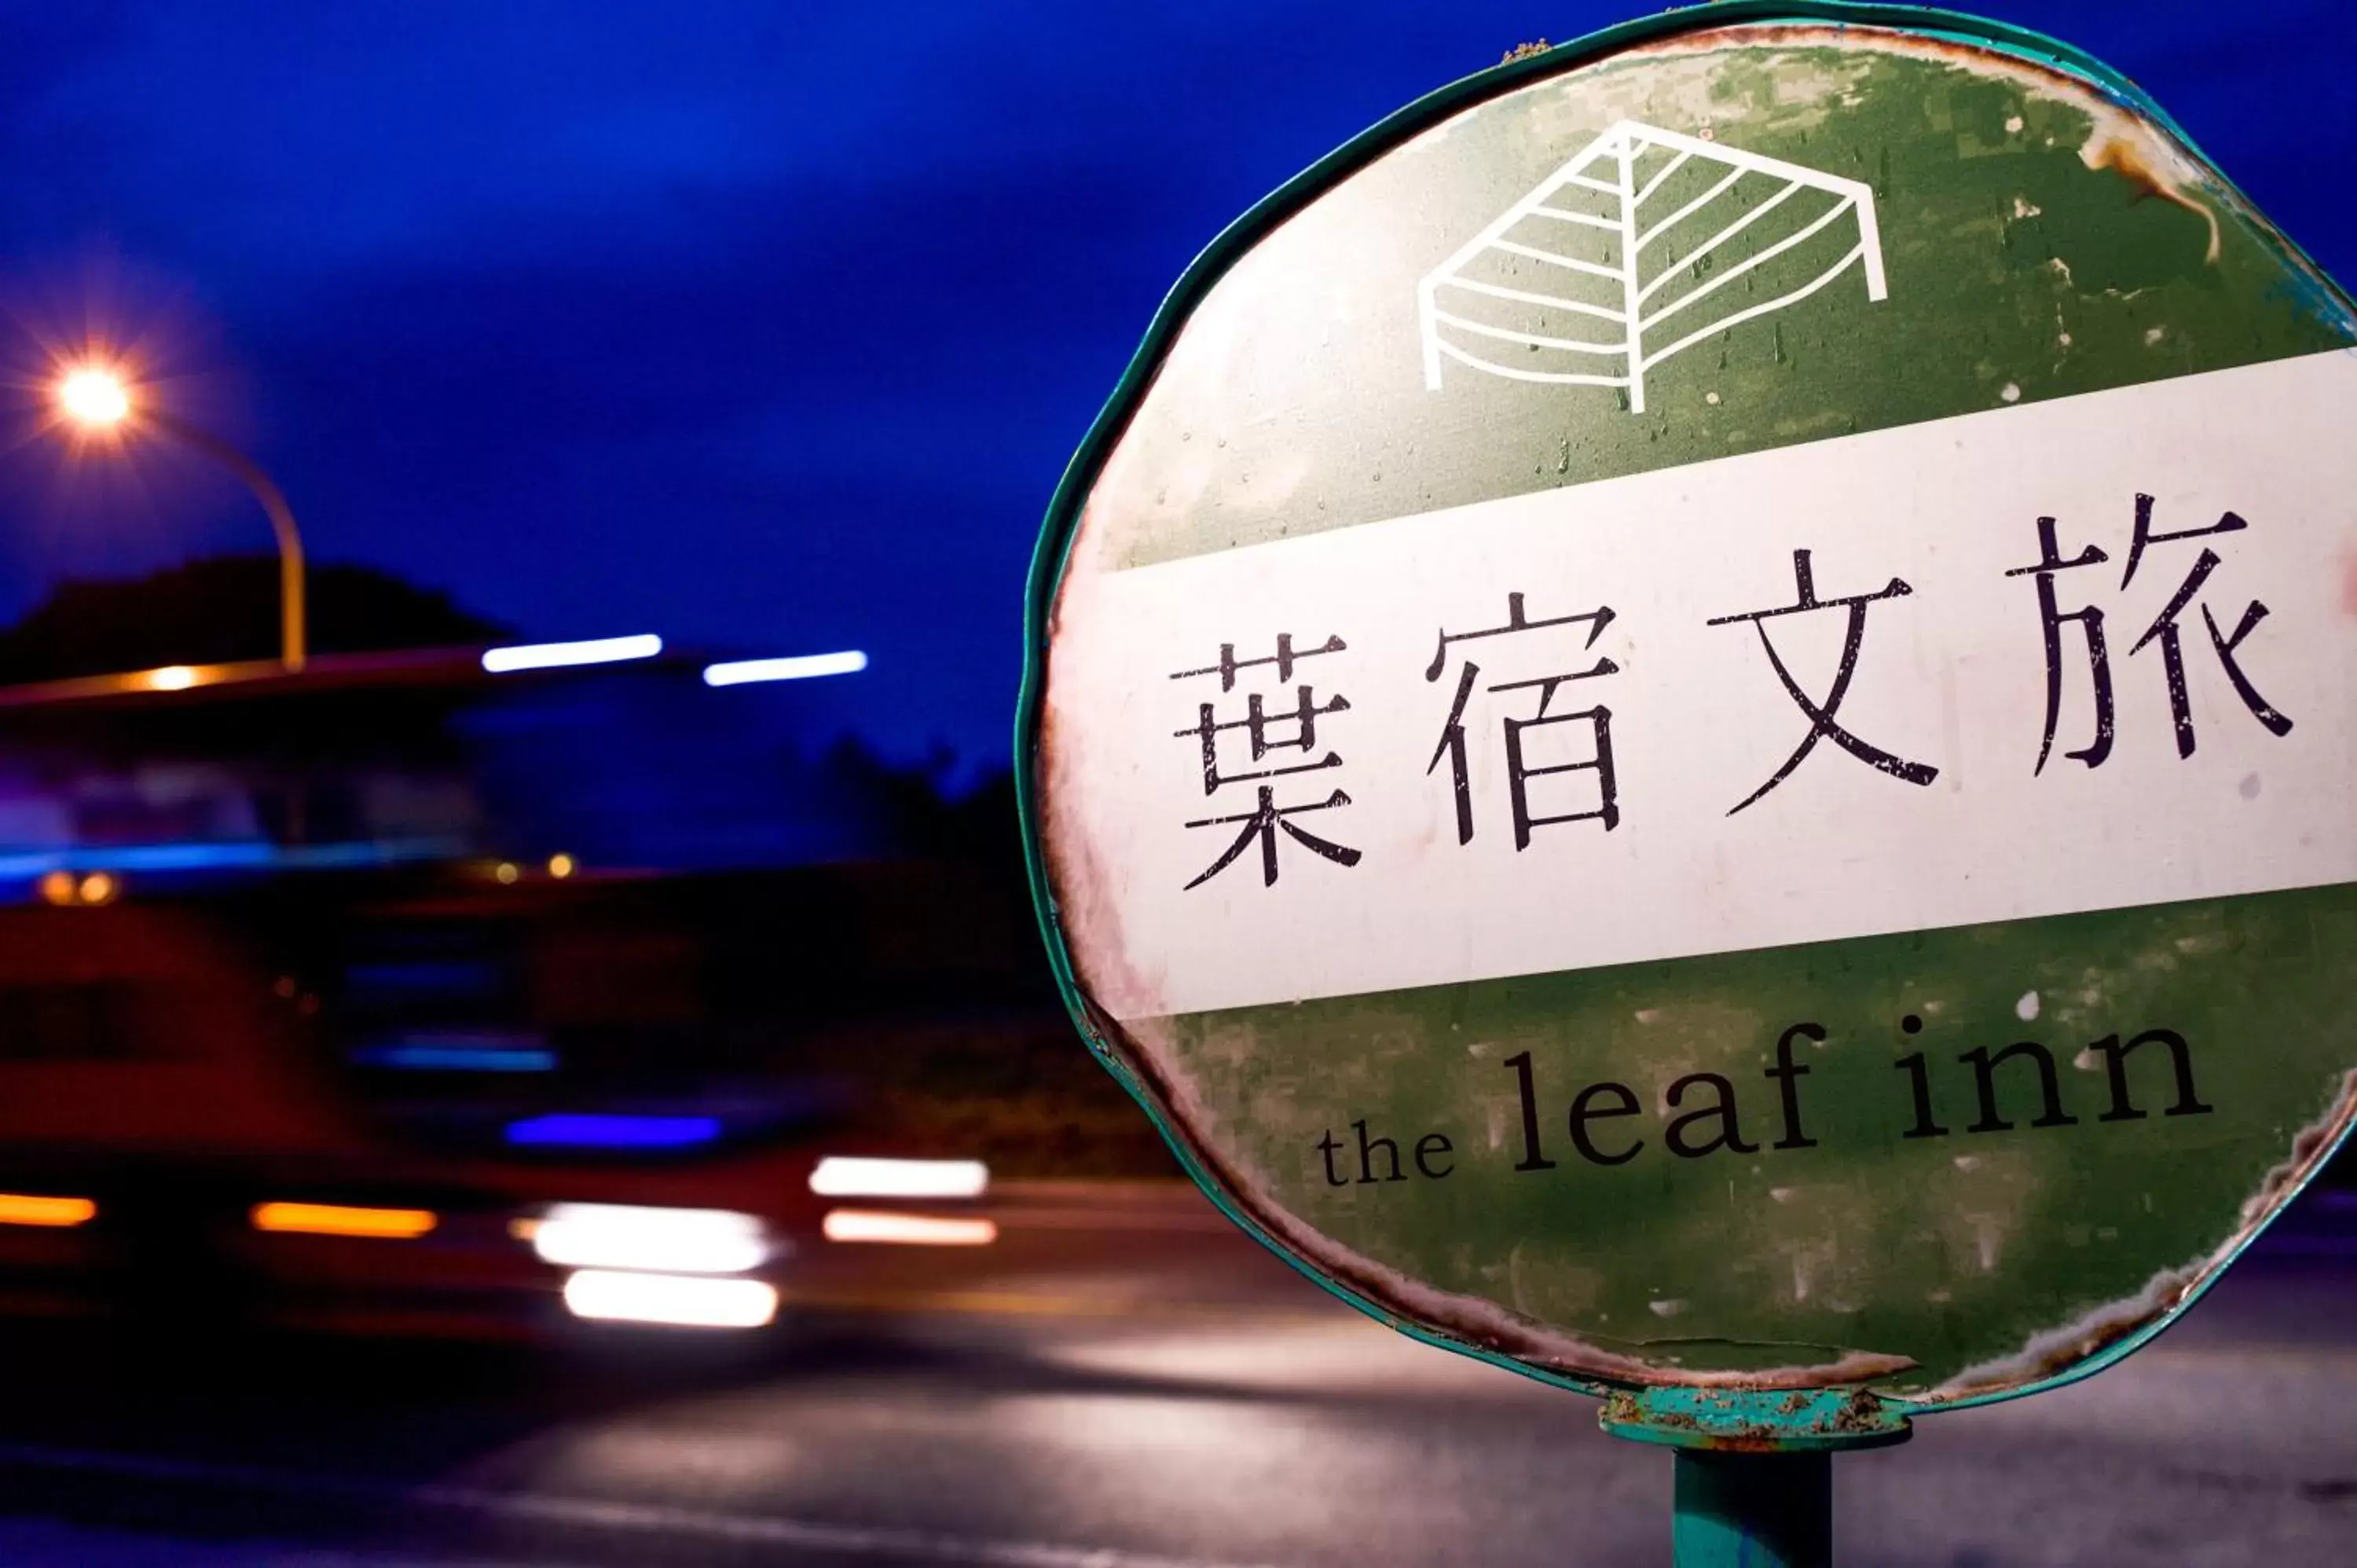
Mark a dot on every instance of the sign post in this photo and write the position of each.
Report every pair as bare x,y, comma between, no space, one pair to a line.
1689,726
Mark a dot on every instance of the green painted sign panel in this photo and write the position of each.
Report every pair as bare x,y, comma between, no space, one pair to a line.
1690,724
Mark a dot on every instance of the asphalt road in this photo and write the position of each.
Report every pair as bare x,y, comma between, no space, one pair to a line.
1116,1385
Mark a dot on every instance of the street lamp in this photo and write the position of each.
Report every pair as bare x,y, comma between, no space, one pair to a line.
95,398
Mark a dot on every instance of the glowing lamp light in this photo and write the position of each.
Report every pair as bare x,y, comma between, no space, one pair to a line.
612,1296
93,397
839,1176
906,1230
172,678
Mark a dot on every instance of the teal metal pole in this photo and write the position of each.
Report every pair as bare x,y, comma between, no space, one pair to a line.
1752,1481
1752,1510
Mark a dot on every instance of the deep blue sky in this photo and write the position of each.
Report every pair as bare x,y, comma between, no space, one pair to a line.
762,325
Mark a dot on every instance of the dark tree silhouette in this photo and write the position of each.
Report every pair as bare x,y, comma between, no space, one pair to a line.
220,609
923,813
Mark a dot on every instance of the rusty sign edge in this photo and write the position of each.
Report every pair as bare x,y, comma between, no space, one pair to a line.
2093,1343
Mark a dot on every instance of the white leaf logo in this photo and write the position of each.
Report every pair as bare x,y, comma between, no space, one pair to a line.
1629,240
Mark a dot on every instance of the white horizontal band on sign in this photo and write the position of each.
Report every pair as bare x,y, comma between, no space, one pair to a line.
1929,808
557,655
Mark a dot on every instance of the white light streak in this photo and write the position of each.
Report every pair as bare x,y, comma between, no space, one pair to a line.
607,1296
907,1229
841,1176
745,672
556,655
674,1240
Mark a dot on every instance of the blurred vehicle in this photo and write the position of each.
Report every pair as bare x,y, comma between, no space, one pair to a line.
400,995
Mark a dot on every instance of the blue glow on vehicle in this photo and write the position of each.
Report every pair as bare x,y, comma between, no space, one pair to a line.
431,977
419,1058
573,1130
229,854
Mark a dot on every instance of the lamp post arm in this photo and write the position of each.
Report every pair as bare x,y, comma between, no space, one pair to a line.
292,644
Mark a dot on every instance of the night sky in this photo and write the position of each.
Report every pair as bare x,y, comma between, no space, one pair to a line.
765,326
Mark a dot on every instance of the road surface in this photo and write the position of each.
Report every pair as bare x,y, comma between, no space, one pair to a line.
1121,1383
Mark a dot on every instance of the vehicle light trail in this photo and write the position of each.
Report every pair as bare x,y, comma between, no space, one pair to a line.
612,1296
839,1176
558,655
669,1240
342,1219
907,1229
805,667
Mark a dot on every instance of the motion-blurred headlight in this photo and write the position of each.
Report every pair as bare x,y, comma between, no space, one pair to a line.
839,1176
672,1240
908,1229
609,1296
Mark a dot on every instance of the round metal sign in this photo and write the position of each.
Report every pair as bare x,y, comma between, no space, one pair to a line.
1691,722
